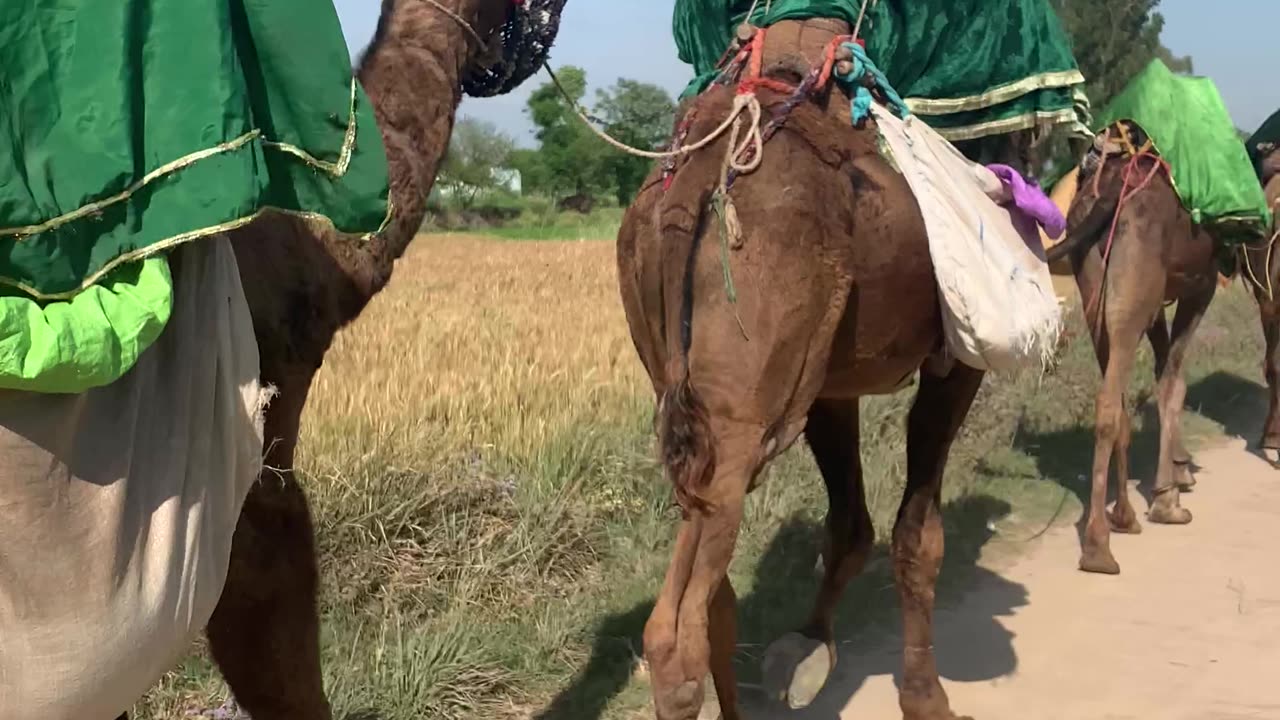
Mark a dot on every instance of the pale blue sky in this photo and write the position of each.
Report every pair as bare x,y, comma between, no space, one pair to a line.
1232,41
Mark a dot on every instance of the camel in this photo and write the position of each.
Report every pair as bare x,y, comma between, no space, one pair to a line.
303,283
1129,262
1261,260
836,300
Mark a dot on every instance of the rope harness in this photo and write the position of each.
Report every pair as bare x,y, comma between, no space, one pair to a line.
1128,189
1266,268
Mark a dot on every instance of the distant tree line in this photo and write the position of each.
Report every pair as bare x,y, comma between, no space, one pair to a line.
571,168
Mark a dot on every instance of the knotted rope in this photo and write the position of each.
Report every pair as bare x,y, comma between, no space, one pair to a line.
864,69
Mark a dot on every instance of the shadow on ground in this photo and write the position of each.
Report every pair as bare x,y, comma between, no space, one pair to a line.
1065,456
778,598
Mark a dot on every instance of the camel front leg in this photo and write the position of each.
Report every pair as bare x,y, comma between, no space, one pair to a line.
1170,475
939,410
265,631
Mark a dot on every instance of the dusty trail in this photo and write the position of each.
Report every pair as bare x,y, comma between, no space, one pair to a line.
1189,631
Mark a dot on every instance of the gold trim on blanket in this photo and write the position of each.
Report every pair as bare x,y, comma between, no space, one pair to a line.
995,96
335,169
176,240
1009,125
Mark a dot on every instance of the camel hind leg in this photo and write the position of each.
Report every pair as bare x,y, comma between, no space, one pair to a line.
1158,334
1269,314
939,410
690,631
796,666
1172,394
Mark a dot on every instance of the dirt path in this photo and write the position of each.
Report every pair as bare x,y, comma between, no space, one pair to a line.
1189,631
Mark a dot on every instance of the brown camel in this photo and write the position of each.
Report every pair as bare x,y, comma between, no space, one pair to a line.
303,284
1155,255
1261,261
836,300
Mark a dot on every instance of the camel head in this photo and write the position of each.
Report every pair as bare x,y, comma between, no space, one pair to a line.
507,41
519,35
1268,161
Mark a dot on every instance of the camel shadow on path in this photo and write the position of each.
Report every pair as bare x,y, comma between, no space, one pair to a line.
1065,456
972,645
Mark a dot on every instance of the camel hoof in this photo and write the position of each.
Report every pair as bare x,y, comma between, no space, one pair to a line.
1169,515
1125,523
945,715
1271,455
795,668
1100,561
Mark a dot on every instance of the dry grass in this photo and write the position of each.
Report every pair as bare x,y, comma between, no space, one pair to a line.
492,528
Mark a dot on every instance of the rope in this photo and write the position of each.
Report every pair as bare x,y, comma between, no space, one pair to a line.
460,20
1127,192
862,67
1248,266
857,28
744,102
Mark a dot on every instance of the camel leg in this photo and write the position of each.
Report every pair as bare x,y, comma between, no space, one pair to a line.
1269,311
265,632
1172,394
679,639
939,410
1158,334
1116,346
797,665
722,628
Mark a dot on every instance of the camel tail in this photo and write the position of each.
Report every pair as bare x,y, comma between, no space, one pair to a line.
684,425
1083,235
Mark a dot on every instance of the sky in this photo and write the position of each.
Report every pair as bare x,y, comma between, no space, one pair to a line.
1231,41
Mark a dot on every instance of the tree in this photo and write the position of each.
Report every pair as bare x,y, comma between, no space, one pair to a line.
640,115
476,151
1113,40
571,160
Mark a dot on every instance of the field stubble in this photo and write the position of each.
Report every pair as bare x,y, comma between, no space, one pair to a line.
492,526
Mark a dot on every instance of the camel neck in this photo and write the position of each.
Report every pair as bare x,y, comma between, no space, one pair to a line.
413,74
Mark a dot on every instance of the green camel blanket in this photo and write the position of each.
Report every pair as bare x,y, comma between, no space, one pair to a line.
1192,130
970,68
131,126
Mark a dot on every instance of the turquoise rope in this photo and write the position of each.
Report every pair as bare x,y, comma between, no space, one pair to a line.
862,66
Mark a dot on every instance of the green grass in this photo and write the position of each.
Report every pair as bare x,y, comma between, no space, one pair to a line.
492,525
600,224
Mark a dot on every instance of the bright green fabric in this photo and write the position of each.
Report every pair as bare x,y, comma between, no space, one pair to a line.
1192,130
1010,59
88,341
97,94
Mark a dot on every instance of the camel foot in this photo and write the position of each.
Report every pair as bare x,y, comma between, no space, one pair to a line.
683,702
1169,514
795,668
1099,560
1271,455
1124,521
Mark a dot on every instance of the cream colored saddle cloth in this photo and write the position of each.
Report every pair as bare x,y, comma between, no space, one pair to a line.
117,506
